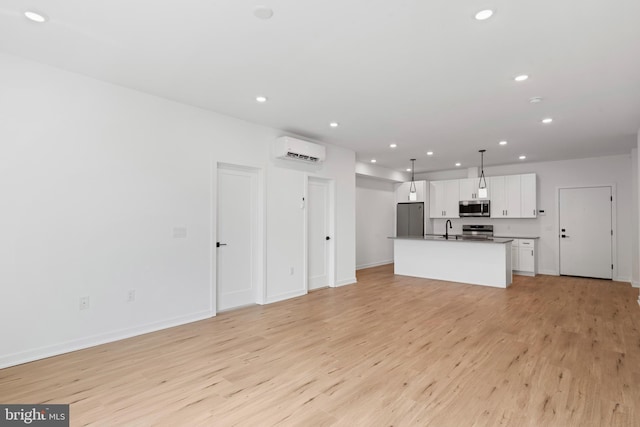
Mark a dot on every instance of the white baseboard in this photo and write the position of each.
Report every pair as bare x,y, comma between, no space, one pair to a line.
286,295
524,273
82,343
374,264
345,282
635,284
549,272
622,279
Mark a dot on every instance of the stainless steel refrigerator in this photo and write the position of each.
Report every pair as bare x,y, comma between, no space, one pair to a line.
410,219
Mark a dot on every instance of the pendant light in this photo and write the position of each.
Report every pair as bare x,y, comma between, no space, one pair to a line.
482,185
413,192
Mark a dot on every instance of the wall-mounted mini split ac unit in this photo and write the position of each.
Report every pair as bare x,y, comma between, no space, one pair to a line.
297,149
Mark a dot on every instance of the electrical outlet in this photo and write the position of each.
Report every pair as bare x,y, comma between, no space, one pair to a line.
131,295
84,303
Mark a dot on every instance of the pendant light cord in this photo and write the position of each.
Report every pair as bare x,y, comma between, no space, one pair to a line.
412,186
482,178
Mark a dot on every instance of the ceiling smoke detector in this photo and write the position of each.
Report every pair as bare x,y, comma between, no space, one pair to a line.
263,12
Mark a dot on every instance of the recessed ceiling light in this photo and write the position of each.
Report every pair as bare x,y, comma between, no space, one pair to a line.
502,142
429,153
547,120
522,157
458,164
261,98
535,99
408,169
333,124
35,16
373,160
521,78
263,12
484,14
393,145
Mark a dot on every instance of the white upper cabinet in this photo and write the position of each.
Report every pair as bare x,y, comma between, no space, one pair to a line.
498,201
505,196
511,196
469,189
444,197
402,192
528,205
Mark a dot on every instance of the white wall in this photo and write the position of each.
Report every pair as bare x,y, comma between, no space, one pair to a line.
374,171
635,226
375,218
94,177
615,170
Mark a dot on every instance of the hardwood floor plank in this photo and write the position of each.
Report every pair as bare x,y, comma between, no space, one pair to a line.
390,350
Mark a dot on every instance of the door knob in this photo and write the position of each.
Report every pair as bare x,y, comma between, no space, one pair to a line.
218,244
327,238
564,236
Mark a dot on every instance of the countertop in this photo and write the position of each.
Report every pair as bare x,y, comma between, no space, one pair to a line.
518,237
454,238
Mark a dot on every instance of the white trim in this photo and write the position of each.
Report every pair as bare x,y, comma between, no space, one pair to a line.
524,273
92,341
622,279
213,259
614,224
374,264
285,296
345,282
549,272
636,284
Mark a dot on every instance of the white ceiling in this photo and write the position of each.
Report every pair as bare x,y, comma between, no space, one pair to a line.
422,73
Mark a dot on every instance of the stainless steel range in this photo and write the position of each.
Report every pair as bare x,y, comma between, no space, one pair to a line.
480,232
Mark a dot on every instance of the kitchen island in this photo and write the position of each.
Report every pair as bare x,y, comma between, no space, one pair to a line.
484,262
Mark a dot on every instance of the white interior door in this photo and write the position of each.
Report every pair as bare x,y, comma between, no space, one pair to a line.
586,232
236,231
318,237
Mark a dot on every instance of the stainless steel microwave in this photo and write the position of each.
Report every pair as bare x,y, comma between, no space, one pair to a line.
474,208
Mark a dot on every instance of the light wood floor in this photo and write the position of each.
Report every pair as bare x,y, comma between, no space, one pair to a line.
390,350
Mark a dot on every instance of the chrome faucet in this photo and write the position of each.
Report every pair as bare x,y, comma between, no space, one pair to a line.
446,229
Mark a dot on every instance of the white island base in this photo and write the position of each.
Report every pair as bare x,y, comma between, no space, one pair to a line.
486,263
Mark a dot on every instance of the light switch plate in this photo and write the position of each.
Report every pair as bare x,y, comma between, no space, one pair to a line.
179,232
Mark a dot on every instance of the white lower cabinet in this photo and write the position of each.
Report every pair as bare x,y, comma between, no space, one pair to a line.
515,255
523,257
